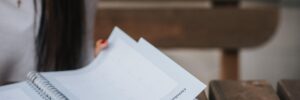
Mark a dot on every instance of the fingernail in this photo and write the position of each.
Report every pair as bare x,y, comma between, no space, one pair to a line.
103,41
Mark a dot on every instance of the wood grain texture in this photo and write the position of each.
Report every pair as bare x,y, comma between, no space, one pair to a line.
202,96
230,64
241,90
289,89
190,26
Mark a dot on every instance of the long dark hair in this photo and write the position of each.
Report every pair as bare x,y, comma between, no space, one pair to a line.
60,37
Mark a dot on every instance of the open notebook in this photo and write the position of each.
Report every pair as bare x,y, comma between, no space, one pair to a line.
125,70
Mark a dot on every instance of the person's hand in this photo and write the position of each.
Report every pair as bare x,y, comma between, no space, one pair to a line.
100,44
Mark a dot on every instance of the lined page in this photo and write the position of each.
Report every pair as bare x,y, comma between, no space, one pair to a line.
123,75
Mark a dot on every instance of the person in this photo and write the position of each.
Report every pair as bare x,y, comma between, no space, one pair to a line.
45,35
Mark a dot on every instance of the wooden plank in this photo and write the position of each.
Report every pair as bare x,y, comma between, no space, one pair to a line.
181,25
154,0
241,90
289,89
230,64
225,3
201,96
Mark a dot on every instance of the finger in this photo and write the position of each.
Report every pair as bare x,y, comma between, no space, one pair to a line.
100,44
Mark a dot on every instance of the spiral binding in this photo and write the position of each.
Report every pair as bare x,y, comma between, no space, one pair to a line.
44,88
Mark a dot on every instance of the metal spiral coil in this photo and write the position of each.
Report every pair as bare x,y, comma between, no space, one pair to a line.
44,88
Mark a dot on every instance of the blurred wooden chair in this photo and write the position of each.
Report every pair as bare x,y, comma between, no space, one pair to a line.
192,24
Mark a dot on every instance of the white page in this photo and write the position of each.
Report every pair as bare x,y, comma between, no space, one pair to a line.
117,33
18,91
187,82
124,74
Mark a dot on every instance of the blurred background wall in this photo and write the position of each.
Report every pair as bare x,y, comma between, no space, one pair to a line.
277,59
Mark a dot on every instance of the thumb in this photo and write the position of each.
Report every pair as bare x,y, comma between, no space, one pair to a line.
100,44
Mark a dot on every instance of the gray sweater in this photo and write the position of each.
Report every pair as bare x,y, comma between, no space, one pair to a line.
18,29
19,24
